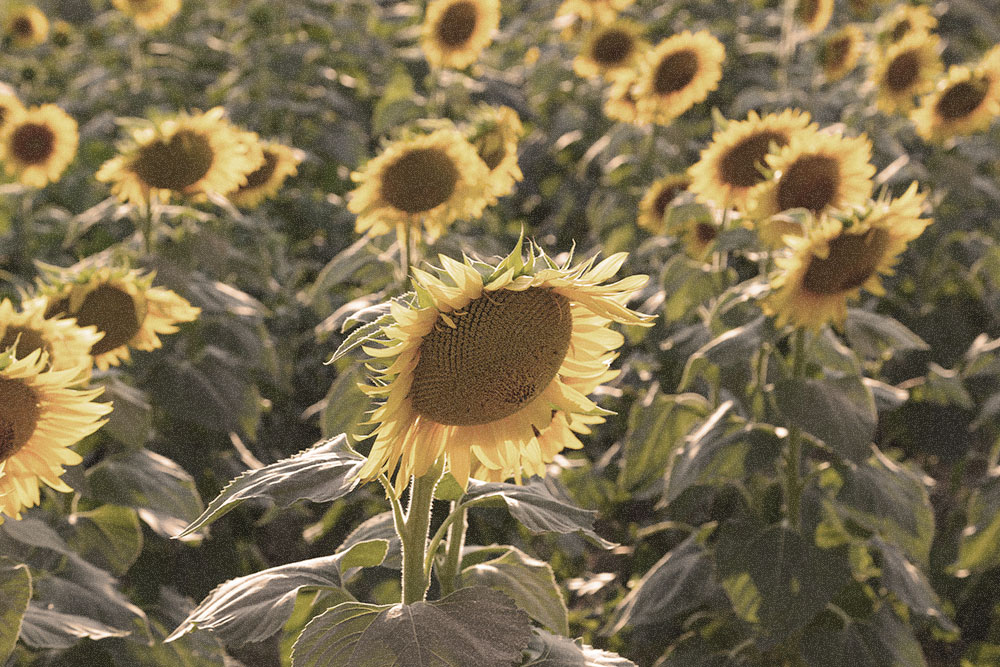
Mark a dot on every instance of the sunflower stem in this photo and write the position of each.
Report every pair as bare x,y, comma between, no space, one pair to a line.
453,557
793,459
414,535
405,257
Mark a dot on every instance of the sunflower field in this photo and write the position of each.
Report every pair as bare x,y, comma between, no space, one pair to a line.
483,333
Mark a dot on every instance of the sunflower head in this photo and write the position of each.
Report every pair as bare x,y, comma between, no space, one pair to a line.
964,101
26,330
841,255
905,20
10,107
434,178
595,11
656,201
26,26
698,236
620,104
906,69
122,305
280,162
490,365
840,52
38,144
677,74
41,417
494,133
149,14
455,32
814,15
610,50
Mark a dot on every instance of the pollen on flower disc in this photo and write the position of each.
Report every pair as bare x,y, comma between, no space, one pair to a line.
19,414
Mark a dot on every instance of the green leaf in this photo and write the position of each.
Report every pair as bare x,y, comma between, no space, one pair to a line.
909,584
132,419
254,607
527,581
108,536
15,592
379,527
360,336
656,426
548,650
979,548
838,411
736,346
162,491
883,640
877,336
47,628
472,626
537,508
326,471
345,404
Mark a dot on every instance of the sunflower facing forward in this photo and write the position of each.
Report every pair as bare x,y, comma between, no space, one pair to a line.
37,145
842,255
280,162
149,14
656,202
435,179
121,304
964,102
731,164
185,155
679,72
905,70
456,31
27,26
490,366
610,50
27,329
41,417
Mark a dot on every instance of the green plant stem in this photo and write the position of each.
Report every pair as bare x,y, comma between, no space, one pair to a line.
793,458
405,255
414,535
453,557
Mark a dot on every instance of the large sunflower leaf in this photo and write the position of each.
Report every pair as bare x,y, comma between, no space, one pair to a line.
472,626
15,592
549,650
909,584
326,471
47,628
108,536
877,336
979,548
882,640
838,411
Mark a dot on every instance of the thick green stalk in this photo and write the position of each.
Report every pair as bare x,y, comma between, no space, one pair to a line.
453,557
793,457
414,535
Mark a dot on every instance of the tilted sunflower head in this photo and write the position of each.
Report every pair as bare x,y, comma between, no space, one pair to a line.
905,20
677,74
842,254
455,32
620,104
280,162
840,52
41,417
656,201
593,11
26,330
490,365
906,69
733,162
37,145
433,179
494,133
122,305
814,15
149,14
610,50
26,26
965,101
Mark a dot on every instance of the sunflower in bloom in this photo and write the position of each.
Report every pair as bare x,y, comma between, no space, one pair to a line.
906,69
597,11
26,26
121,304
185,155
906,20
677,74
38,144
731,164
840,52
280,162
620,104
455,32
64,344
41,417
10,107
964,102
698,237
839,257
610,50
656,201
435,178
491,366
149,14
817,171
494,134
814,15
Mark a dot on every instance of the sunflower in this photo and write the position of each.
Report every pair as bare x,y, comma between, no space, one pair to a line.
817,171
964,102
814,15
10,107
840,52
597,11
494,134
455,32
491,367
65,344
149,14
280,162
841,256
906,20
435,178
620,104
37,145
26,26
656,201
698,236
680,72
41,417
731,164
182,155
610,50
906,69
121,304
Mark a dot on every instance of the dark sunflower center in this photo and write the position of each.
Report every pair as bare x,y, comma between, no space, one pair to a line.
961,99
28,340
806,10
503,352
738,166
899,31
853,259
836,52
705,233
22,27
490,147
675,72
419,180
108,308
32,143
902,72
457,24
19,415
612,48
663,199
175,163
260,177
810,182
